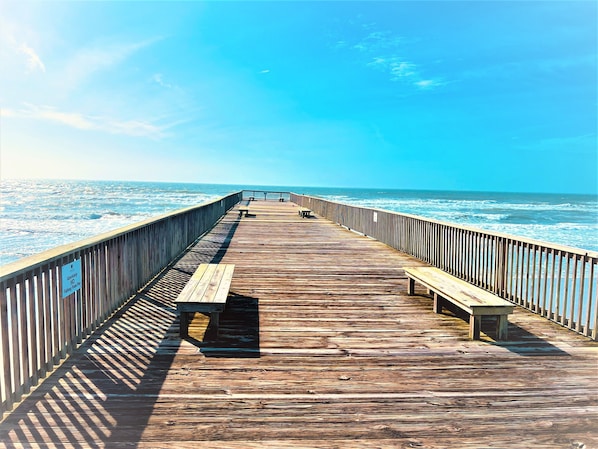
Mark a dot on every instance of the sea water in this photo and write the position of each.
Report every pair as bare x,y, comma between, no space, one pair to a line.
37,215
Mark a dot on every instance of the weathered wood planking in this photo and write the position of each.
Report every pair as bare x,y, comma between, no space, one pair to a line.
40,328
320,346
521,270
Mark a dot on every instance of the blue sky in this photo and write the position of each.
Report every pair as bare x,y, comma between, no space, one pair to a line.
490,96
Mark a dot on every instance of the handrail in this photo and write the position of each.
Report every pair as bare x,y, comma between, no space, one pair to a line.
249,194
39,328
558,282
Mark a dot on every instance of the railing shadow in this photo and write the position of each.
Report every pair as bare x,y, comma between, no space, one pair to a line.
223,240
124,361
105,393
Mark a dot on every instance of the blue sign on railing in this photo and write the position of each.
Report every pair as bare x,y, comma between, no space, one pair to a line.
71,278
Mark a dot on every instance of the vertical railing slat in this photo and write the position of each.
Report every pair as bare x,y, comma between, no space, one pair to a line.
6,384
547,279
39,328
15,359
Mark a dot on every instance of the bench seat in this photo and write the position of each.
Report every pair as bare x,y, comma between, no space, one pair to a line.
206,292
473,300
304,212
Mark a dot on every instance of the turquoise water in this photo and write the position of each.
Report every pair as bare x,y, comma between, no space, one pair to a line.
39,215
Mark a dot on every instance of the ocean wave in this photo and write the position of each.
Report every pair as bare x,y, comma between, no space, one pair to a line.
39,215
112,216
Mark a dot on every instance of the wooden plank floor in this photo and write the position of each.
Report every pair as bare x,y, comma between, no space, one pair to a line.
319,347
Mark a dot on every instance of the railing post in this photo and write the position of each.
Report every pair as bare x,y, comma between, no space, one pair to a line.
512,267
39,328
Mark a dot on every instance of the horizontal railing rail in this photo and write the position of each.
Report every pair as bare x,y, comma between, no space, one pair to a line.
50,302
267,195
557,282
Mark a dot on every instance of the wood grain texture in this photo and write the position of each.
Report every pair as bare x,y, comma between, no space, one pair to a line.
319,346
469,295
514,268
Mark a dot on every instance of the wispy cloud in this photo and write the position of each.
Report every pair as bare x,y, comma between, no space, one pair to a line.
383,51
158,78
396,67
33,60
429,84
135,128
90,60
405,71
378,41
25,53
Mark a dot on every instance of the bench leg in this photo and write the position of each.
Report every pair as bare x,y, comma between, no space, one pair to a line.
184,324
502,327
437,303
215,322
411,287
475,323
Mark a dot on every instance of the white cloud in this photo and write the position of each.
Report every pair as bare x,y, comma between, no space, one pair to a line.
20,49
401,69
377,41
158,78
429,84
93,59
136,128
33,60
384,52
378,61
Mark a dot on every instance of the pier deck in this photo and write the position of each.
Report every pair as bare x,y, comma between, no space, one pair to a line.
320,346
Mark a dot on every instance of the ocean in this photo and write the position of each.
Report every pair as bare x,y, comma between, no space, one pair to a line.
36,215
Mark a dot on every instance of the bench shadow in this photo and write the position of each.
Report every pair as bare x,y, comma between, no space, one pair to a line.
520,340
239,333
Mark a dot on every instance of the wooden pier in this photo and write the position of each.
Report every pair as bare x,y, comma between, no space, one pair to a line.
319,347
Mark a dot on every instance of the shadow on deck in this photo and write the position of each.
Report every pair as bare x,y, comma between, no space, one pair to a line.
319,347
105,392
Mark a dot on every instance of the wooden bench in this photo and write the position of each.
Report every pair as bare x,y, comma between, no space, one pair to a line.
206,292
304,213
473,300
244,208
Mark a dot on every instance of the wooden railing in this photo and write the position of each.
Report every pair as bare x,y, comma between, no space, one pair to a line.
557,282
39,327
